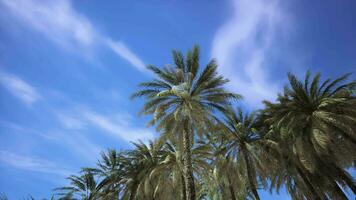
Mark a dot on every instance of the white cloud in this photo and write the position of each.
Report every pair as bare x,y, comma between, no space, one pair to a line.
32,163
119,125
120,128
19,88
71,122
61,23
55,19
121,49
21,129
242,44
78,143
68,139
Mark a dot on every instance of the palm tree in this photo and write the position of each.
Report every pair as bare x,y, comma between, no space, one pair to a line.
110,168
132,176
85,186
318,124
226,182
239,139
182,100
149,156
284,170
170,170
167,174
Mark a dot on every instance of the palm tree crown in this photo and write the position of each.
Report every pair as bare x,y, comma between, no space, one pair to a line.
317,122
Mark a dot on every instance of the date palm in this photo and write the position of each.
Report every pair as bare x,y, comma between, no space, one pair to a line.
227,182
133,176
110,168
182,99
149,156
285,170
170,169
318,123
239,138
84,186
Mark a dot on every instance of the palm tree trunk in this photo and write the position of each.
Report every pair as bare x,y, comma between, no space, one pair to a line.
184,193
187,166
249,174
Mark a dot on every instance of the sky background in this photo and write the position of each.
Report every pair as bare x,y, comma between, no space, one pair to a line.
68,68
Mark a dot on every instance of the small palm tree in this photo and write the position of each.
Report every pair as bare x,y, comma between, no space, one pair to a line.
132,176
227,182
149,156
239,138
182,100
84,186
317,122
167,176
110,169
170,171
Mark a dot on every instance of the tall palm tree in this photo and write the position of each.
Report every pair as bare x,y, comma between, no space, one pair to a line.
239,138
318,123
182,100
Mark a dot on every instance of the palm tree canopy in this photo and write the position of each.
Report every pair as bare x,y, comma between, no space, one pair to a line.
183,92
239,138
325,114
315,125
84,186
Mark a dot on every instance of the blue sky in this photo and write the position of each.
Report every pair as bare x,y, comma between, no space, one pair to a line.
67,69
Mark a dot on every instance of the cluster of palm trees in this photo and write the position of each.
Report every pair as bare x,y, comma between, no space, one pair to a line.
305,141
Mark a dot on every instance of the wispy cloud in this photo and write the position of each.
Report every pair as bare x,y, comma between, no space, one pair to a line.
70,122
77,143
120,128
21,129
55,19
87,149
62,24
32,163
122,50
116,125
243,44
19,88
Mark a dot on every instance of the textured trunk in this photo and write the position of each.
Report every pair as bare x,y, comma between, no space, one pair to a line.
187,166
231,188
184,194
249,174
310,187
